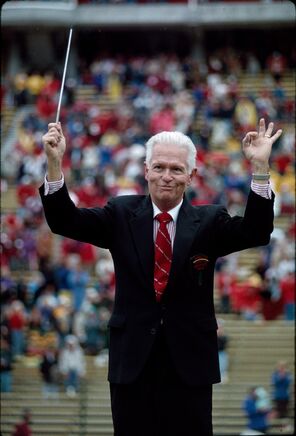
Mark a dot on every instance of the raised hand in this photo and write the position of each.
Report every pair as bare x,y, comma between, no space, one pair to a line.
257,146
54,146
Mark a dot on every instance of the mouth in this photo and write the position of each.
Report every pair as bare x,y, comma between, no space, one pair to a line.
166,188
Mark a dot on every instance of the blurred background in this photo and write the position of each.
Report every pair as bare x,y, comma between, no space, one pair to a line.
210,69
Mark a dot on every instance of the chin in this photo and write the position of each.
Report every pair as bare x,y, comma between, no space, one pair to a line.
165,196
167,201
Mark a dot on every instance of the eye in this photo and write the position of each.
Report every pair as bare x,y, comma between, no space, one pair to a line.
178,170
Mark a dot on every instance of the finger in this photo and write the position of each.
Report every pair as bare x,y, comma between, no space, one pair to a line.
245,139
59,128
52,136
246,142
56,126
269,130
276,135
50,139
261,126
52,132
249,136
50,125
55,131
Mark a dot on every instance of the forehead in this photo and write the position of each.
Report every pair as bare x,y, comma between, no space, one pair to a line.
170,153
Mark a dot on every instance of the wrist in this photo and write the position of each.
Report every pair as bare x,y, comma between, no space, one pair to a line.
260,169
260,173
54,172
261,179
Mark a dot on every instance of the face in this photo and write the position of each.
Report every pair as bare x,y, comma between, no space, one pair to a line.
167,175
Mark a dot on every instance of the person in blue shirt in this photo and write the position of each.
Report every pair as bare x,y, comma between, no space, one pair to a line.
257,416
281,381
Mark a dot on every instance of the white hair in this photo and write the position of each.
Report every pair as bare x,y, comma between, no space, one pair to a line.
172,138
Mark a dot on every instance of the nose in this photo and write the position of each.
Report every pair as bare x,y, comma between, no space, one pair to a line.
167,176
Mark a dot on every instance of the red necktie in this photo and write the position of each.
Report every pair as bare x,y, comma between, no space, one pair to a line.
163,255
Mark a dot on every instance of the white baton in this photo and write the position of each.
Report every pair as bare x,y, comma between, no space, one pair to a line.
64,75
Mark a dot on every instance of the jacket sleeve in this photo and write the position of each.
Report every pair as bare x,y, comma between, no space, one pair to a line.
253,229
92,225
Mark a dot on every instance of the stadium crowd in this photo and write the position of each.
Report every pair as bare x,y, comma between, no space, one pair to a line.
71,285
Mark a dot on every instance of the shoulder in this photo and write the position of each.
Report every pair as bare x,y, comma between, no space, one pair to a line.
130,202
208,210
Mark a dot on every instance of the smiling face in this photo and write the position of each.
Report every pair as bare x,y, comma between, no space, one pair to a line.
167,175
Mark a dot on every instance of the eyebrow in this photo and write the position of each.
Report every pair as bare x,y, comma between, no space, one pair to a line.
170,164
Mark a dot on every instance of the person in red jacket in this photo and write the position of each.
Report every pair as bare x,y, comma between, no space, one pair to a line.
17,320
23,428
287,286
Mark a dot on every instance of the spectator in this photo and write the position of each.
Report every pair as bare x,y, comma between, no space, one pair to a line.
63,316
252,64
24,428
86,324
78,279
225,278
277,64
222,350
20,89
17,320
246,297
263,400
287,287
245,113
164,119
5,366
72,365
281,382
35,83
45,305
257,415
45,105
49,371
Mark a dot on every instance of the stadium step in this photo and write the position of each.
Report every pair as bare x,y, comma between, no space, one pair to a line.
7,115
254,351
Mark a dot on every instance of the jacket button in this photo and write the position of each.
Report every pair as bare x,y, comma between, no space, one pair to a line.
153,331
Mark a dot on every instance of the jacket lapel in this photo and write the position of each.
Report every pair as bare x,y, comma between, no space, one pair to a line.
187,225
141,225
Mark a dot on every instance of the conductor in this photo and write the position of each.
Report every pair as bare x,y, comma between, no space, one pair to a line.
163,357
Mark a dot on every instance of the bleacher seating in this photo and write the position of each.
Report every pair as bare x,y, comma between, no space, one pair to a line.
254,350
7,115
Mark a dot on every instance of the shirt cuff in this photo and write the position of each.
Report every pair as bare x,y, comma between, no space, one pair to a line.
264,190
52,187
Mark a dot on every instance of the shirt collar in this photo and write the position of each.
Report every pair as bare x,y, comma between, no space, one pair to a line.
173,212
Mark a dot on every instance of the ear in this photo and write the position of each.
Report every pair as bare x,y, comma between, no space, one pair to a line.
146,169
191,175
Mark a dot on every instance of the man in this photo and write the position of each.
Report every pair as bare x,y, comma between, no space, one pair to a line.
281,380
256,410
163,341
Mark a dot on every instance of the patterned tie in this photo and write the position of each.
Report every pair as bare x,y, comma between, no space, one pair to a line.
163,255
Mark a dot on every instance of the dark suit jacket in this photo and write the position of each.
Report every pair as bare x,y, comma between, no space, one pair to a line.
125,227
